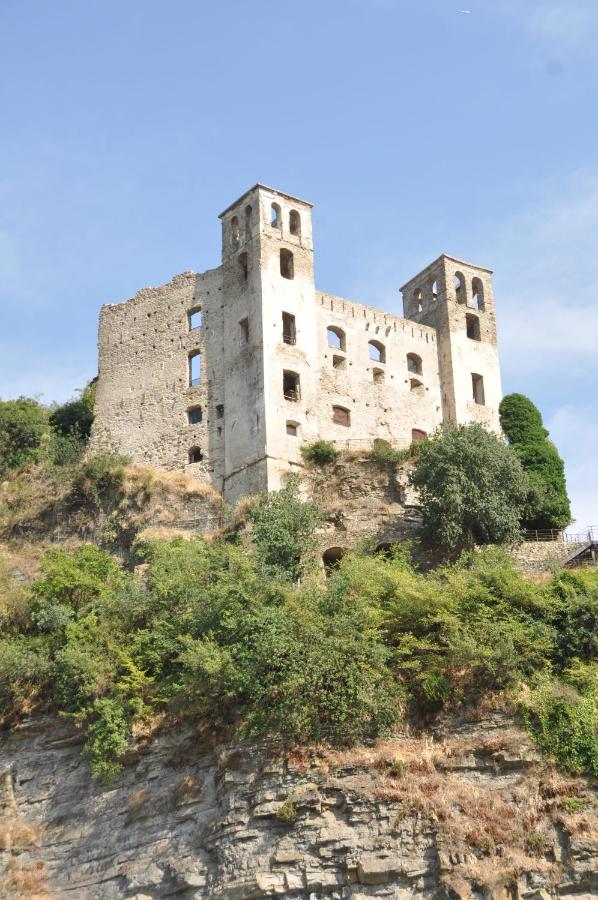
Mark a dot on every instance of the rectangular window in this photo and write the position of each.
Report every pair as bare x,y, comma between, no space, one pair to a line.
194,369
194,318
220,411
292,429
244,326
289,333
290,386
194,415
477,383
472,325
341,416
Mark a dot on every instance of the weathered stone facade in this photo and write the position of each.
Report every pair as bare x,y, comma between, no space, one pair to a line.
283,363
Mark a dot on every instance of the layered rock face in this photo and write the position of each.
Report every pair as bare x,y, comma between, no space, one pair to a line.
475,813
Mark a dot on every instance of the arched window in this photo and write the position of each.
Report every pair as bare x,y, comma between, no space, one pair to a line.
287,267
336,338
194,318
244,266
341,416
331,558
377,351
378,376
434,290
418,301
417,436
472,326
194,415
248,213
294,222
234,232
460,289
414,364
275,215
195,455
477,292
194,368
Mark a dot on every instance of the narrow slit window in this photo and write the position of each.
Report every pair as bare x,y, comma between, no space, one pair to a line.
243,266
220,411
244,327
235,233
377,351
289,331
477,384
335,338
275,215
194,318
248,221
418,302
460,291
194,369
477,291
291,387
287,266
341,416
195,455
194,415
434,291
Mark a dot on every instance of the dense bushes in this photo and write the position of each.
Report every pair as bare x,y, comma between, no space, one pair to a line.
225,631
320,453
23,426
547,505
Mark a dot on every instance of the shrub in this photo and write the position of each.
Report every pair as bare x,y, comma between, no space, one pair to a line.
23,674
564,724
547,505
78,578
575,616
320,453
23,426
100,479
471,488
107,738
384,454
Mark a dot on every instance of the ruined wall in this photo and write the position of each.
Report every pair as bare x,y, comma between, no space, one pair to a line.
534,557
474,814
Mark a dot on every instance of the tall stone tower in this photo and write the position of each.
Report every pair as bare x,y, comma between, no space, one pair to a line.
456,299
270,329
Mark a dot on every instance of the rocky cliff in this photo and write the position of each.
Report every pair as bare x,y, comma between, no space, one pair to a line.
471,813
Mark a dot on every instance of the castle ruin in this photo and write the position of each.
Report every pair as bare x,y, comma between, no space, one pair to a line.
226,374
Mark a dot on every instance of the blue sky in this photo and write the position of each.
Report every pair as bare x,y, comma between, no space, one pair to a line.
414,127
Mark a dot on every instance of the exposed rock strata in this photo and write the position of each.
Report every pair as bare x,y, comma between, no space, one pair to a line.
477,814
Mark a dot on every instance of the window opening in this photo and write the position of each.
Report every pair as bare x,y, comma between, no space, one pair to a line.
275,215
477,290
415,385
414,363
477,383
244,266
335,338
434,287
341,416
234,231
289,332
339,362
377,351
291,386
418,301
460,292
248,212
293,429
194,415
472,326
417,436
195,318
287,268
244,326
195,455
194,368
378,376
294,222
220,411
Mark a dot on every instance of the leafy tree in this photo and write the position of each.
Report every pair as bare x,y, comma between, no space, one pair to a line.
23,426
320,453
547,505
472,489
283,527
75,417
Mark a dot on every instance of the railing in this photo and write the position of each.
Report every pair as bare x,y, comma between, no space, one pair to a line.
367,443
554,534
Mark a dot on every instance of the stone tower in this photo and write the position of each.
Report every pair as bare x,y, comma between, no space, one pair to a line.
456,299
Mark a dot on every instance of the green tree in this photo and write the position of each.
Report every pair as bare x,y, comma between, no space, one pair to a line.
547,504
23,426
472,489
75,417
283,531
